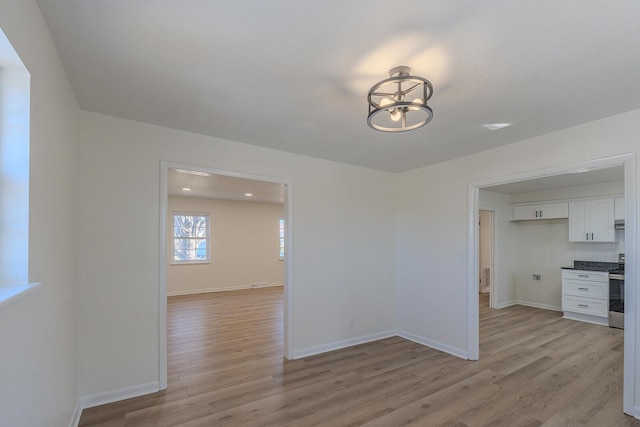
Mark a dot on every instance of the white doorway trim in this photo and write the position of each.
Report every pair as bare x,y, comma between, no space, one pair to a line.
631,361
163,265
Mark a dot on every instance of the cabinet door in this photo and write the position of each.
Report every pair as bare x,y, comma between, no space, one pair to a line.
553,210
618,210
578,221
601,221
525,212
543,211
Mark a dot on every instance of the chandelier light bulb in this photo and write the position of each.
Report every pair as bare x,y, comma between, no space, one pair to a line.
418,101
395,114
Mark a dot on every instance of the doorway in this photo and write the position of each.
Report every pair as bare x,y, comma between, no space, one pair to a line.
628,162
166,168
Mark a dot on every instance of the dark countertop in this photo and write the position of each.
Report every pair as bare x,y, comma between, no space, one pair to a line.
592,266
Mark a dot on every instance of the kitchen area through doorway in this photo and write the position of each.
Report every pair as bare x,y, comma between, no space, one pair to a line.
549,230
549,233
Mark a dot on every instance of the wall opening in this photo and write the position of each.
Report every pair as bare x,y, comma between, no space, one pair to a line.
266,189
628,162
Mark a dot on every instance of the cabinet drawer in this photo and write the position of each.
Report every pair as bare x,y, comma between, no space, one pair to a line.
594,307
591,276
585,289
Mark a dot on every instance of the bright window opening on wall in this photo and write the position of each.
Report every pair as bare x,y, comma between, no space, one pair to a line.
281,238
190,238
15,112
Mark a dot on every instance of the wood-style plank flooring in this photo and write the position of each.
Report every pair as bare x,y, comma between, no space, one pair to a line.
226,369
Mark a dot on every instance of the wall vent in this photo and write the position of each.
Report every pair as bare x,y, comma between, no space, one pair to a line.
487,278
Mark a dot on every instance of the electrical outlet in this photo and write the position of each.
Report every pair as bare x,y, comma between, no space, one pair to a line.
537,277
352,323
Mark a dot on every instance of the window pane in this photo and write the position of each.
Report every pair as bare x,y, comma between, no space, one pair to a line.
190,237
281,238
201,251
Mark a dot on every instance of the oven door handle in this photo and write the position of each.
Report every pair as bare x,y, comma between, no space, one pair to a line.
616,276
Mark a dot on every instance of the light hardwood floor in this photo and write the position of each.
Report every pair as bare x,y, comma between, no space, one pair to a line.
226,369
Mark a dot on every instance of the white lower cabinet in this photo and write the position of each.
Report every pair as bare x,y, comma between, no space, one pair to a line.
585,296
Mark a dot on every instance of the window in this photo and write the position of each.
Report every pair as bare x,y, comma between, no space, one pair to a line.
281,238
15,92
190,238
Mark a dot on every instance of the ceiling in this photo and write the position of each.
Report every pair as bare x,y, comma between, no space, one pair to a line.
185,183
294,75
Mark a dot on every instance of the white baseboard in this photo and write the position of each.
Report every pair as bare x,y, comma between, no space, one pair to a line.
224,289
529,304
75,416
538,305
506,304
324,348
433,344
117,395
312,351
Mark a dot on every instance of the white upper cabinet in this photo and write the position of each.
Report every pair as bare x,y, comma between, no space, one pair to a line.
619,208
541,211
592,221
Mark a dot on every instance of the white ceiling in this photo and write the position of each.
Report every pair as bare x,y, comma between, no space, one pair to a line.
293,75
214,186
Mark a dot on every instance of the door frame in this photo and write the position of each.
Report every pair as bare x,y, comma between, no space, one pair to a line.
631,362
288,314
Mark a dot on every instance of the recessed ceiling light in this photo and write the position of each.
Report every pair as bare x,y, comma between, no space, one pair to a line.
248,194
496,126
186,189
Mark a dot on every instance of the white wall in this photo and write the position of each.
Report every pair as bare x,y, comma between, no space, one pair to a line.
38,379
606,189
432,220
543,247
342,250
244,246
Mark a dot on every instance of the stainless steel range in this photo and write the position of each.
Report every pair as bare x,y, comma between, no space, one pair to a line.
616,295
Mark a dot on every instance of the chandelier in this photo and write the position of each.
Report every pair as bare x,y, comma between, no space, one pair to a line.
399,103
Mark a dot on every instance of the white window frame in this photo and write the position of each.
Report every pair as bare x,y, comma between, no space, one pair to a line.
207,238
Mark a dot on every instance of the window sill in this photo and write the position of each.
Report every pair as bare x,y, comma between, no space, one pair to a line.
11,293
190,262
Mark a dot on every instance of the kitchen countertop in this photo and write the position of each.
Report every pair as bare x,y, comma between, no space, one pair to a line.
592,266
